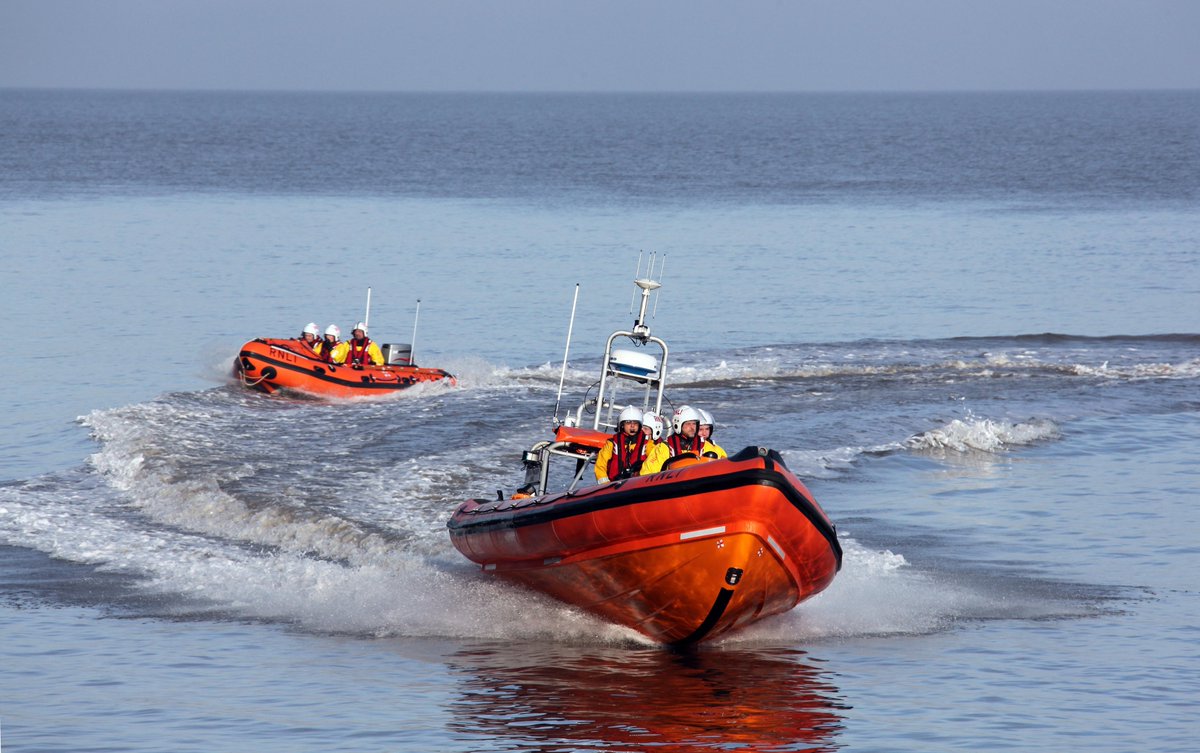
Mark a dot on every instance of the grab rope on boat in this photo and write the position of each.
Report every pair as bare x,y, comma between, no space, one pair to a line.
267,373
254,383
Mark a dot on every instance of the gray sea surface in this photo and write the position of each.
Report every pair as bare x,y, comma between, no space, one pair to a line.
970,323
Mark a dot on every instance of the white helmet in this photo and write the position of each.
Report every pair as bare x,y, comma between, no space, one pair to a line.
706,418
630,414
676,421
334,330
312,329
654,422
682,416
361,326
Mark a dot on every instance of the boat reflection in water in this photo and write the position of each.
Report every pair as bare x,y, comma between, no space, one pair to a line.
621,700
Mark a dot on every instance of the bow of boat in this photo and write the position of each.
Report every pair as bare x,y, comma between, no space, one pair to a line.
681,556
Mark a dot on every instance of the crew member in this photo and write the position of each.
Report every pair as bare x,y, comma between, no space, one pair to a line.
653,427
623,453
685,439
705,433
360,350
331,350
309,339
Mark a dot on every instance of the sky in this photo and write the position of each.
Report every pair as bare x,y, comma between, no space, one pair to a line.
594,45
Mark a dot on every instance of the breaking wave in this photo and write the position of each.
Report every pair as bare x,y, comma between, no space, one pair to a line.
983,435
1185,370
969,435
988,366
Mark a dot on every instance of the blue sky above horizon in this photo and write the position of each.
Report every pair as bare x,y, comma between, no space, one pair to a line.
586,46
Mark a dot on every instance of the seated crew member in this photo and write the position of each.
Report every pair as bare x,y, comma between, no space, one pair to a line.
309,339
653,427
676,418
705,433
623,453
685,439
331,350
360,350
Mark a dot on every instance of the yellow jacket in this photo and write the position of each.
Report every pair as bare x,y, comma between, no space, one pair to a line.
604,457
339,351
374,355
662,453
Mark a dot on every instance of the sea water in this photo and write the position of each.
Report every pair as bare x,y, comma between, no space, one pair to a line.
970,323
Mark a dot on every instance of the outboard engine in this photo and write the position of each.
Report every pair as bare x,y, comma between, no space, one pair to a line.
397,354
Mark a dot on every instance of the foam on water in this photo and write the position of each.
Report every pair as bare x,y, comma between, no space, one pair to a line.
965,435
382,565
988,366
983,435
828,463
379,588
1184,370
388,569
191,494
932,360
376,589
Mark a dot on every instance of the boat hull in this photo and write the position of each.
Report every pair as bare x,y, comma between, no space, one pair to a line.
272,365
681,556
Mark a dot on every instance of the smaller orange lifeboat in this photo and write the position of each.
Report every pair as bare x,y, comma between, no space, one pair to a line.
270,365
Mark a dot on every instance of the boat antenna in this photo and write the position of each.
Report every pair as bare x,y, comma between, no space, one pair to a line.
367,315
641,331
649,276
636,275
563,377
661,266
412,348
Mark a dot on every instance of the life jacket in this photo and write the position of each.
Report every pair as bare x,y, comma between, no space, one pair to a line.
675,443
326,352
306,347
627,457
357,356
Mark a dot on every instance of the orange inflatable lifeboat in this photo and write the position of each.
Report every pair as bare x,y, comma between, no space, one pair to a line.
269,365
699,549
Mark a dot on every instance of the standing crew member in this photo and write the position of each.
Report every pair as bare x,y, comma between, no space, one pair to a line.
623,453
331,350
360,350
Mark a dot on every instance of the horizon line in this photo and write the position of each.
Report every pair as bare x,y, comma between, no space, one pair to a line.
559,92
